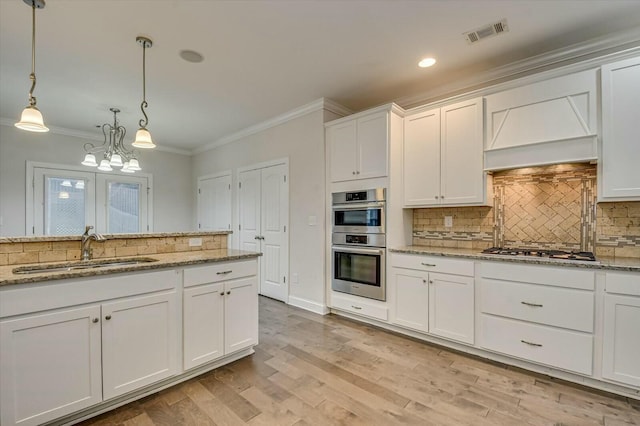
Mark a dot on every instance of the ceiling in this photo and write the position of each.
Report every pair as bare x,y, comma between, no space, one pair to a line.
265,58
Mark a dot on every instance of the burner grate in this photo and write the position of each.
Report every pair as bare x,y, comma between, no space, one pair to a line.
551,254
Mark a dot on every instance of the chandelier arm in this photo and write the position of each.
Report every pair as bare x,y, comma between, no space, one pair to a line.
143,121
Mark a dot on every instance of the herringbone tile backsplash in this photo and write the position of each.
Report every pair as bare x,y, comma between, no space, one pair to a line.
542,207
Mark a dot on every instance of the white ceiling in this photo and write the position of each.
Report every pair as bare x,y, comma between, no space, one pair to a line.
264,58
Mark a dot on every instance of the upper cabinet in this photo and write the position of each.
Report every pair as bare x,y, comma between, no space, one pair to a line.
359,147
443,156
548,122
618,174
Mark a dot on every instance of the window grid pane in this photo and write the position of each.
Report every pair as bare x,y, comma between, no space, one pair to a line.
64,206
123,208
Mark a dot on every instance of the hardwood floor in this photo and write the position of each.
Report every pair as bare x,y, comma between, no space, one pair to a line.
326,370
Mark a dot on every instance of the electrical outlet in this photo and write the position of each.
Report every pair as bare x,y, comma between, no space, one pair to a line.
448,221
195,242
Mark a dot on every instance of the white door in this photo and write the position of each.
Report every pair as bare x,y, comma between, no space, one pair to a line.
411,299
451,302
203,324
621,340
240,314
50,365
421,154
214,203
263,211
249,209
139,342
274,214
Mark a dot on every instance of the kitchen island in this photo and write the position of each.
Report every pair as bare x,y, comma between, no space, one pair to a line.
91,339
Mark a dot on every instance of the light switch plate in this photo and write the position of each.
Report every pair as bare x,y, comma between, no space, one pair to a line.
448,221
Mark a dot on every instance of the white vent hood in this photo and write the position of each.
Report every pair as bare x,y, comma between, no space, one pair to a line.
548,122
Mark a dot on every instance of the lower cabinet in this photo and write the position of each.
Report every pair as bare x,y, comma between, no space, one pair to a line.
621,339
139,342
220,318
427,299
49,365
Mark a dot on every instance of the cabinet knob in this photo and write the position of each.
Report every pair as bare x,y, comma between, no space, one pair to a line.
108,317
430,281
424,281
229,292
436,197
95,320
353,173
222,293
357,172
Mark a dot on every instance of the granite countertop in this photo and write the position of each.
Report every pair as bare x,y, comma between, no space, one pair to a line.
603,262
164,260
36,239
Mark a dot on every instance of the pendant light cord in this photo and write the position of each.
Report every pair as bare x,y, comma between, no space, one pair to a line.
144,121
32,76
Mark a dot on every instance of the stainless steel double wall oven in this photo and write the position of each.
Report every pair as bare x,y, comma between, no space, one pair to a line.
359,243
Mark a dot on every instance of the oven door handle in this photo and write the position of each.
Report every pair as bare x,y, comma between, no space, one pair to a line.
358,206
358,250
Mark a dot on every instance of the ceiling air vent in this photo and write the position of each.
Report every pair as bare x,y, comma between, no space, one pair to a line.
486,31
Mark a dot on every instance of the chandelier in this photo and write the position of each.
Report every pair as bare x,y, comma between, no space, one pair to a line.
114,153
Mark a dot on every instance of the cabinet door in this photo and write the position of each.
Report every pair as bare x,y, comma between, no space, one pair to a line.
462,174
373,134
620,177
203,326
411,299
451,307
342,145
422,159
240,314
139,342
621,340
50,365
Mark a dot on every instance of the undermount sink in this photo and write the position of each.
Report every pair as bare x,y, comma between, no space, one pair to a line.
85,264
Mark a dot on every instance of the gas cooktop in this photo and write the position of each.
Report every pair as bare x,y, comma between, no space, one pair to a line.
551,254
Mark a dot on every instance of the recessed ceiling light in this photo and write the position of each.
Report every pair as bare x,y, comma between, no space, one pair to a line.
426,62
191,56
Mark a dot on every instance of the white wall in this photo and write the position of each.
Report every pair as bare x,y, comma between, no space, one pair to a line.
172,209
301,140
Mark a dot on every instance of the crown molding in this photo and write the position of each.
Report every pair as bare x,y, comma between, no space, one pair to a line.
4,121
600,46
317,105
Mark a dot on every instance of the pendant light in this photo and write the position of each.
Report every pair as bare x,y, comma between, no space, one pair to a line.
143,137
31,118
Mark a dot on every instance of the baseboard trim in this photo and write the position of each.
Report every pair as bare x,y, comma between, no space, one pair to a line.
308,305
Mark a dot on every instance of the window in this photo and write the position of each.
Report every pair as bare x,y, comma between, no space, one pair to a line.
63,201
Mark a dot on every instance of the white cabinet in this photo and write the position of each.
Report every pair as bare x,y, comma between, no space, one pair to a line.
50,365
139,342
538,313
621,339
548,122
443,156
433,295
359,147
220,311
618,174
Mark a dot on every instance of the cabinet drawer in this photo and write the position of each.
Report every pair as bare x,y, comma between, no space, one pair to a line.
433,264
568,350
547,275
623,283
359,308
561,307
219,272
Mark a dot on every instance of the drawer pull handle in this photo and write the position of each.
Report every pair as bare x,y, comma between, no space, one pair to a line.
427,264
535,305
224,272
356,307
531,344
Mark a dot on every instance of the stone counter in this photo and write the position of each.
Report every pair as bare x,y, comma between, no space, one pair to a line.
164,260
603,262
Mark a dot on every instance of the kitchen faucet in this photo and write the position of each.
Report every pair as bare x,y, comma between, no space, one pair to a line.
86,242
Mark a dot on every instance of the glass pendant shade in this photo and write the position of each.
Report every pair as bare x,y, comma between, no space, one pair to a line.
126,168
31,120
116,160
90,160
143,139
104,166
134,165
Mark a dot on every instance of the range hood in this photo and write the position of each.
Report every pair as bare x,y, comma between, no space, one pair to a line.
548,122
